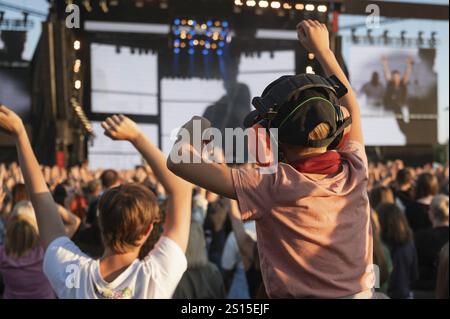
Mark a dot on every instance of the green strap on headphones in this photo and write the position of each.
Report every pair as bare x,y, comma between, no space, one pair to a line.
317,98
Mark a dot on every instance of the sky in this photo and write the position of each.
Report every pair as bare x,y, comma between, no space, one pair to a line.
412,27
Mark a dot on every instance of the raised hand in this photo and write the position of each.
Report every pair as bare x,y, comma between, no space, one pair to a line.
314,36
10,122
121,128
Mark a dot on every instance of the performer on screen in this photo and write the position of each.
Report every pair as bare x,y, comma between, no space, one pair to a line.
374,91
396,96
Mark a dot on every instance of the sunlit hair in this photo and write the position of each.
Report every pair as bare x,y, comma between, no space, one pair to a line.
21,231
439,208
125,214
380,195
427,185
395,230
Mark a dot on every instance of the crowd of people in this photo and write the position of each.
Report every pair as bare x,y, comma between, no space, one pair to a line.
325,224
410,222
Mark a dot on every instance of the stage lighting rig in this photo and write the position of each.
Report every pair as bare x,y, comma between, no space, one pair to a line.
194,36
282,5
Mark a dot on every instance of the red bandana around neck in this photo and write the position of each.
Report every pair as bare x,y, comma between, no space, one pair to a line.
326,163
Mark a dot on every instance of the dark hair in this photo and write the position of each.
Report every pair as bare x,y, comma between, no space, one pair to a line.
395,230
375,80
19,193
426,185
109,178
126,213
404,176
380,195
60,194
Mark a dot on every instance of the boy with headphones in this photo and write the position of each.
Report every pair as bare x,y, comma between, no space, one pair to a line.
312,215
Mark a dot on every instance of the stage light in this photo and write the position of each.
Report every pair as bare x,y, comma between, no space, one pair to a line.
250,3
163,4
176,50
113,3
322,8
263,4
403,36
77,45
433,40
87,5
275,5
310,7
77,66
310,70
238,2
287,6
104,6
299,6
225,24
220,52
191,51
177,22
205,52
77,84
139,4
311,56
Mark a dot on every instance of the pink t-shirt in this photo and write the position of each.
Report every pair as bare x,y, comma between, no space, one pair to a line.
24,277
314,237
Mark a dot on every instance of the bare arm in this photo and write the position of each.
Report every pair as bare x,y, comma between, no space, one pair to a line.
214,177
315,38
408,70
178,216
48,219
386,69
71,221
245,243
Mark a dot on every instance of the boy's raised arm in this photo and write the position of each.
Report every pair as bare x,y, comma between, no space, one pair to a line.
178,216
315,38
48,219
187,162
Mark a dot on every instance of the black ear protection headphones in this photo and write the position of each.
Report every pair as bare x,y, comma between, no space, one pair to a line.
276,96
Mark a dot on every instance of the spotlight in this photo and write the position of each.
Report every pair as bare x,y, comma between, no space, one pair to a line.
77,45
250,3
403,36
164,5
310,7
322,8
77,84
386,36
275,5
263,4
77,66
25,17
104,6
420,38
238,3
287,6
299,7
310,70
87,5
311,56
433,40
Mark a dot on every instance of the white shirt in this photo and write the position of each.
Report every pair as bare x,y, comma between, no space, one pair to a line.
74,275
231,255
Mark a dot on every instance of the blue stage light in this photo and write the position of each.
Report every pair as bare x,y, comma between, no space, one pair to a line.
220,52
205,52
191,51
176,50
191,43
225,24
221,44
209,23
177,22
